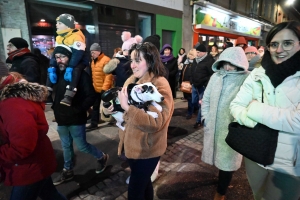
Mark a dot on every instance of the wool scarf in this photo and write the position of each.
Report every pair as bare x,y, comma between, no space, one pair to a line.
279,72
18,52
166,58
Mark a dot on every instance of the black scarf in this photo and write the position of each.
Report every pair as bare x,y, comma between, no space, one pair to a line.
279,72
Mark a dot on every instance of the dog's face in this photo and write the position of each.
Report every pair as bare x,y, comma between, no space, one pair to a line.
146,92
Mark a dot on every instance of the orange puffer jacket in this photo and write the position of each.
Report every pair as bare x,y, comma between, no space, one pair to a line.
101,81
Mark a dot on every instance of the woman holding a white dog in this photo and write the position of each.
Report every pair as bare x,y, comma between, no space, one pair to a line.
145,137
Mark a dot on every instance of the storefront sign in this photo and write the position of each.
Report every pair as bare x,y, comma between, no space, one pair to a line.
41,24
222,21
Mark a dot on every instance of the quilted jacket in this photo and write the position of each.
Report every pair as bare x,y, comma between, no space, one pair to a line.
101,81
280,111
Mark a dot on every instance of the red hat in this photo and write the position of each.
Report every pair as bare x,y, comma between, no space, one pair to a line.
251,49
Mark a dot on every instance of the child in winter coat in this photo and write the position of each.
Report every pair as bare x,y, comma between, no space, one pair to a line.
75,40
230,73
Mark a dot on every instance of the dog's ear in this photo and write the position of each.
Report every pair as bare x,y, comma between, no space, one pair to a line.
145,88
150,89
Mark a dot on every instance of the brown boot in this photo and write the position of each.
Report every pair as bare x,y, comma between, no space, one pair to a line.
219,197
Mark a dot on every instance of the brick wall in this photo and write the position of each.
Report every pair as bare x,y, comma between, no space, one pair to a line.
13,15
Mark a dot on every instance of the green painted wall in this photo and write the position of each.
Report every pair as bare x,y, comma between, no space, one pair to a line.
170,24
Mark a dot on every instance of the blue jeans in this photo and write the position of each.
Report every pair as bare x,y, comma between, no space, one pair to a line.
197,94
77,133
140,185
43,189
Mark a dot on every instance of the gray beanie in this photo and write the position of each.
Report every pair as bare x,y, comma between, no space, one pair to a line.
67,20
95,47
234,55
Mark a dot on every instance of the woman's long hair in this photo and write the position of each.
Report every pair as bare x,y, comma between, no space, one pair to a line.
152,57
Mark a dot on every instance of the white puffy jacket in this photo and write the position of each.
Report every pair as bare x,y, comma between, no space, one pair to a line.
280,111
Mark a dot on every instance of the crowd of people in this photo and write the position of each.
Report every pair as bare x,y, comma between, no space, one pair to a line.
225,87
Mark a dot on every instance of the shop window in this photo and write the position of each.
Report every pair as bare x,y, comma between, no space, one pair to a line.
43,42
211,40
106,10
109,11
144,25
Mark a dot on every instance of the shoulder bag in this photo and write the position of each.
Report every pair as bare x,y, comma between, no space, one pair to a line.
185,86
257,144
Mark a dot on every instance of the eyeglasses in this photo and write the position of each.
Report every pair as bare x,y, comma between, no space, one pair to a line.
287,45
250,53
60,57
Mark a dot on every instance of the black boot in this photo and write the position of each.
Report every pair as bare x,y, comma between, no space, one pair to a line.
70,93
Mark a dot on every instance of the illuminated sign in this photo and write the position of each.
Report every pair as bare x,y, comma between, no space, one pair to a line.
219,20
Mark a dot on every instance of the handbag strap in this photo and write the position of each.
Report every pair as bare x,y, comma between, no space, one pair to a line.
262,95
183,72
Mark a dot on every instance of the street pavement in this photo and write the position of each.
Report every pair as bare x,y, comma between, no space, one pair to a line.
182,174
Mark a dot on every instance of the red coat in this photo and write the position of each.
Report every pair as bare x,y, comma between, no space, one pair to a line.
26,153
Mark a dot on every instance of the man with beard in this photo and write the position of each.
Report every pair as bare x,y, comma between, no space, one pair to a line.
22,61
71,120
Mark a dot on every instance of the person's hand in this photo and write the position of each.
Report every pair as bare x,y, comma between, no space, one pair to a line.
123,98
200,102
109,110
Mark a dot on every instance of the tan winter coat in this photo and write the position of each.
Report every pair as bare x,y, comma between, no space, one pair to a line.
101,81
146,137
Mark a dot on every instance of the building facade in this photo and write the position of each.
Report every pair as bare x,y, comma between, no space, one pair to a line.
175,21
102,21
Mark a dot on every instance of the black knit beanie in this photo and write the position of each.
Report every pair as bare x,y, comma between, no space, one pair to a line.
201,48
63,49
154,39
19,42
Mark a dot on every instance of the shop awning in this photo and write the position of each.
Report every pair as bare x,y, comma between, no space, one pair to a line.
208,30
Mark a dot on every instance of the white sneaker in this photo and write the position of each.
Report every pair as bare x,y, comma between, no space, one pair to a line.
127,180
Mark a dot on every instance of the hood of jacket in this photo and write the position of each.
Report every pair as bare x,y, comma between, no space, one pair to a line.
113,63
164,47
25,90
234,55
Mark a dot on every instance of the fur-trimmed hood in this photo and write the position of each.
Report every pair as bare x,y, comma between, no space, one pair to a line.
25,90
111,66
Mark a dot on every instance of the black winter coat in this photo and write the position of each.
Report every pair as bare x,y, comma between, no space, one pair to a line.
82,101
28,66
202,71
122,72
172,67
